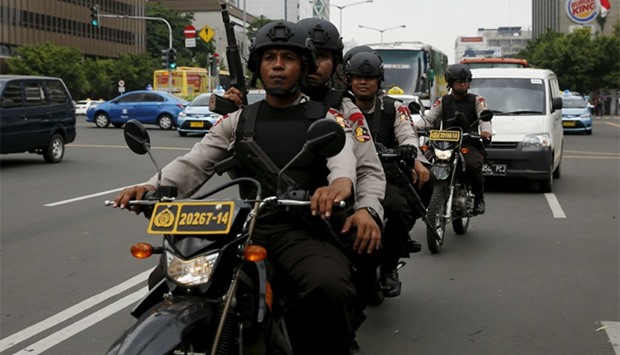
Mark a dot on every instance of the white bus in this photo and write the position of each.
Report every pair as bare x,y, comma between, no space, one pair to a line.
413,69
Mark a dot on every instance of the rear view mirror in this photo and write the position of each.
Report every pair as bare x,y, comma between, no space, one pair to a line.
486,115
136,137
556,104
416,106
431,75
325,137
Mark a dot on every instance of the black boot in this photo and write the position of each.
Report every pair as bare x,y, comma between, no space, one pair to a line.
479,206
390,283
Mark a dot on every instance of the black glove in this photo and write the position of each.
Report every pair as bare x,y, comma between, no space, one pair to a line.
407,152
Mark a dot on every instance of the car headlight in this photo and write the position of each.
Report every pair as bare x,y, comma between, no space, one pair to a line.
537,140
182,114
191,272
443,154
585,115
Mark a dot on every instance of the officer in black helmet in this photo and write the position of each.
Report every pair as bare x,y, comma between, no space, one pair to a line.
391,125
472,107
313,272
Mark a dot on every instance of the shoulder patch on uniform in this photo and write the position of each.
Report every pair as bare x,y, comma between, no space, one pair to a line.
333,111
403,113
220,120
341,121
482,101
437,102
362,135
357,118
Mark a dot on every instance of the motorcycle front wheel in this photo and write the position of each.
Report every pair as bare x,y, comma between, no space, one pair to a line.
436,210
460,225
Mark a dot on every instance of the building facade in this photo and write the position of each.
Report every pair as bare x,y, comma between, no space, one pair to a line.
492,42
566,16
67,23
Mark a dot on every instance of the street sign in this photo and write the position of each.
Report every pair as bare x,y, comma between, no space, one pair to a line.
190,42
121,83
206,33
189,31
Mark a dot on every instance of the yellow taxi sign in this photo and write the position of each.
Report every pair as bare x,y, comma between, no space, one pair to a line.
395,90
206,33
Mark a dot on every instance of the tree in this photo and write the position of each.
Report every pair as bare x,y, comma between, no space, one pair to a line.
158,36
582,63
49,59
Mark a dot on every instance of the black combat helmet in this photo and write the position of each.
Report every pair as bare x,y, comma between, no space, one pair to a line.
457,72
353,51
282,34
324,36
367,64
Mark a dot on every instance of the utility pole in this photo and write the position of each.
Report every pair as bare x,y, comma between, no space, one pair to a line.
150,18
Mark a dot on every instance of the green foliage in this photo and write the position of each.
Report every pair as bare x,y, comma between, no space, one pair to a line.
256,25
582,63
51,60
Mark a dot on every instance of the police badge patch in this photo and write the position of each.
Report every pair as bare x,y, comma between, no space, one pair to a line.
361,134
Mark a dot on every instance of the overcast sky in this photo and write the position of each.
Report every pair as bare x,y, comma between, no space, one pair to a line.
436,22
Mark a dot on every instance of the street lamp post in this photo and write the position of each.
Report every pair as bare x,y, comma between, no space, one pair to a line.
383,30
341,7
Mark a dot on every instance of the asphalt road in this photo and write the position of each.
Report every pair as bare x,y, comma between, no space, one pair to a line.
537,274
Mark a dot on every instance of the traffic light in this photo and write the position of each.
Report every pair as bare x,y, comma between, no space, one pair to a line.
94,15
164,58
214,64
172,58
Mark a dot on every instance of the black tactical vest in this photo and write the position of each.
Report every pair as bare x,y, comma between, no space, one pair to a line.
465,105
381,122
281,133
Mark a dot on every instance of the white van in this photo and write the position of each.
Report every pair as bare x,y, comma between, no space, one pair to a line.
527,122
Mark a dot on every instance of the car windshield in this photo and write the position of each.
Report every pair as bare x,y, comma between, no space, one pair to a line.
511,96
573,102
202,100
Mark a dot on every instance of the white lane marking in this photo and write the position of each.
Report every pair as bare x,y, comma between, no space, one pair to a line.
613,332
82,324
85,197
557,210
33,330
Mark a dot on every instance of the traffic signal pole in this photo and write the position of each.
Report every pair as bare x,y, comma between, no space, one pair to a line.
169,37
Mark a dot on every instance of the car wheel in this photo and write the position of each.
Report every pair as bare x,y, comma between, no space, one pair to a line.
55,150
589,132
102,120
165,122
546,185
182,134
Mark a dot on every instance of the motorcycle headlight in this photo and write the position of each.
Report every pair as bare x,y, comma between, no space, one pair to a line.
191,272
537,140
443,154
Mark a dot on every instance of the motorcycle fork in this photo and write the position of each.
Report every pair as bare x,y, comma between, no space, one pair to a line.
448,213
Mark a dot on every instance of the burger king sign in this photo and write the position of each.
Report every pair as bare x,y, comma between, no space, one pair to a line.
582,11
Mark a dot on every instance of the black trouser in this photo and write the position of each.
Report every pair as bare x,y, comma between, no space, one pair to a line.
400,217
316,277
473,167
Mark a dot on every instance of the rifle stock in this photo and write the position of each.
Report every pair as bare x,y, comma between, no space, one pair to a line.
218,104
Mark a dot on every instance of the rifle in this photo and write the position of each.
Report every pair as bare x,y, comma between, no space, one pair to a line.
395,173
217,103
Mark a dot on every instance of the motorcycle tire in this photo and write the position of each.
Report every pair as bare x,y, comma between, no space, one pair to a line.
460,225
435,212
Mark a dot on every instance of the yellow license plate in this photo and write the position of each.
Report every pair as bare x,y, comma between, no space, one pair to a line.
569,124
195,217
444,136
196,124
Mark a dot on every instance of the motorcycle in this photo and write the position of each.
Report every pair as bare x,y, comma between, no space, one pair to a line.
452,200
216,293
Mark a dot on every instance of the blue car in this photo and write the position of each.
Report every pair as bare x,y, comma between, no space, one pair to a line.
576,115
196,117
149,107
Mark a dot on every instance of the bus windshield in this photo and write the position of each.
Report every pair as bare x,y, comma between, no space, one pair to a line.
403,68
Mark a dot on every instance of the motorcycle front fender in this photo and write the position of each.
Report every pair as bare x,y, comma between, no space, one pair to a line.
161,328
441,171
